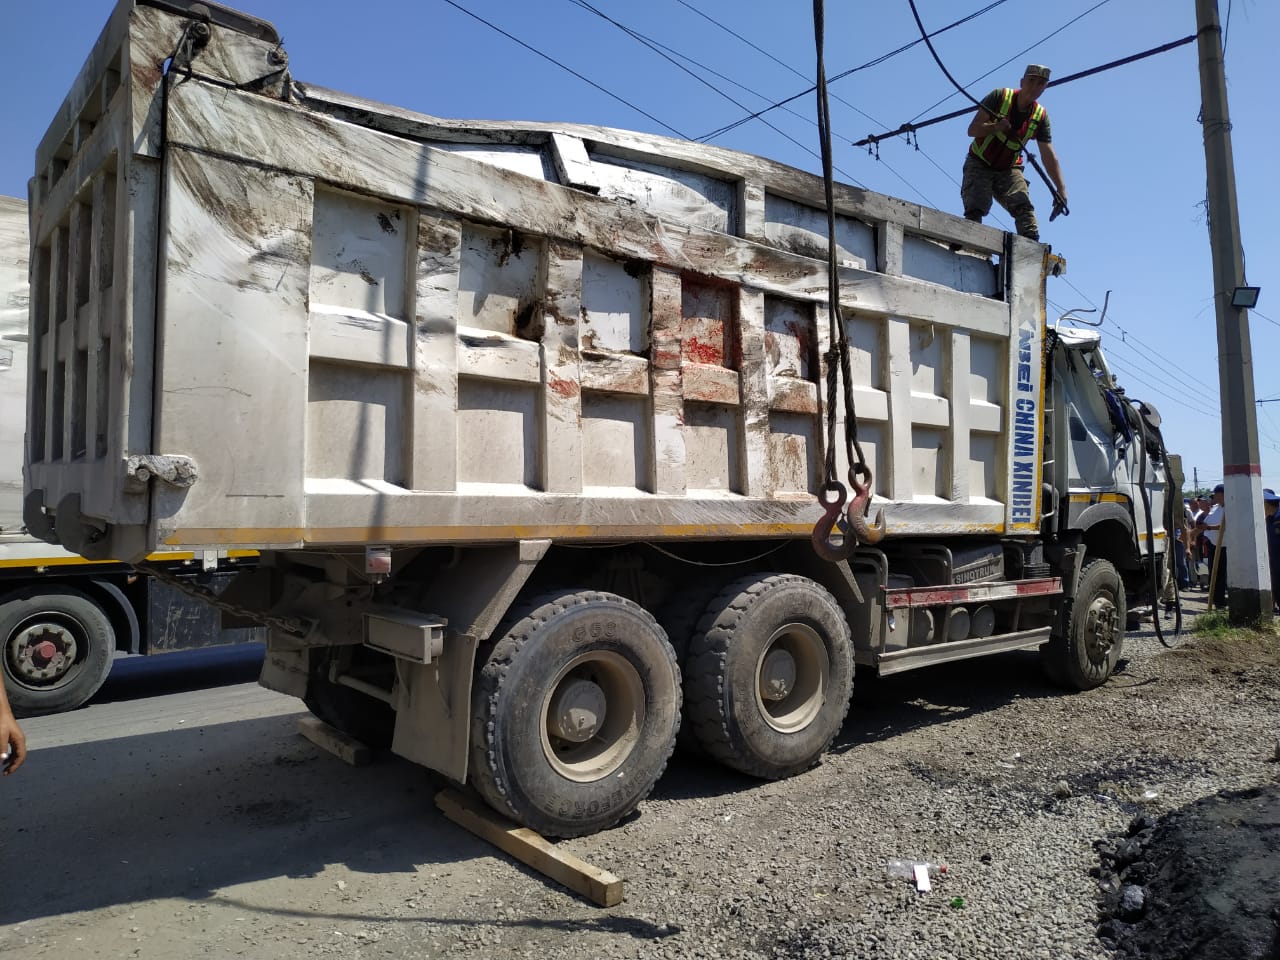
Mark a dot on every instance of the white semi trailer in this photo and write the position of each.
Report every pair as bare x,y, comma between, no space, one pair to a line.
63,618
528,420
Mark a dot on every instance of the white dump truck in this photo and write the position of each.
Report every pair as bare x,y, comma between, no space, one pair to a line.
529,421
63,618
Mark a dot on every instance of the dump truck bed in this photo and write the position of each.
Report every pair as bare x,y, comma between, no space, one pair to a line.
274,316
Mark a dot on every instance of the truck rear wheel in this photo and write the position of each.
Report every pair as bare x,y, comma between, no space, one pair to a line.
58,646
680,617
1088,640
769,675
575,712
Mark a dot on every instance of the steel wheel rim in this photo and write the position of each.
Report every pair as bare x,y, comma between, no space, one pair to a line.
616,734
791,710
1100,629
28,648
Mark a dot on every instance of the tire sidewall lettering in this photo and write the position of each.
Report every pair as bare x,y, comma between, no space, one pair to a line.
598,628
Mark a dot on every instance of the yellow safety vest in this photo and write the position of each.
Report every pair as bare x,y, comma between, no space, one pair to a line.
1003,150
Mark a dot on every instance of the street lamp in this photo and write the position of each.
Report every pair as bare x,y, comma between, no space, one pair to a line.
1246,297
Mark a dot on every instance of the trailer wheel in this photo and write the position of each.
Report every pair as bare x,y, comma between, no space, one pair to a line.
1089,638
575,712
57,649
366,718
769,675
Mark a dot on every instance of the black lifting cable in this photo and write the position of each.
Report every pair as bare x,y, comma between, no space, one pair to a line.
1154,583
832,495
906,128
1059,204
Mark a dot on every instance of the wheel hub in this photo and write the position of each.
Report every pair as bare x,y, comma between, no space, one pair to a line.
791,678
578,710
42,652
1100,628
777,675
592,716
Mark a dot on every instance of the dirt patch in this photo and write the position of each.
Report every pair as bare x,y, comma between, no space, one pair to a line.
1201,882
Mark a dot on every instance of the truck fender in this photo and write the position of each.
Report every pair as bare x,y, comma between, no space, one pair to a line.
433,700
122,614
1096,513
1118,543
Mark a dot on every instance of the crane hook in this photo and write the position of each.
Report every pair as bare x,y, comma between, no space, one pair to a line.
857,516
823,545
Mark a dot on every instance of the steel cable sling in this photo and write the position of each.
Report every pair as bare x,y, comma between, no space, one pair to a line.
853,528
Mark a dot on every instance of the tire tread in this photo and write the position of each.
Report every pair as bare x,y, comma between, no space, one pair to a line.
524,621
704,691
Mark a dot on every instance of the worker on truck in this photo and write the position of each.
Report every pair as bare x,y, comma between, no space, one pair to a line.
13,742
1005,123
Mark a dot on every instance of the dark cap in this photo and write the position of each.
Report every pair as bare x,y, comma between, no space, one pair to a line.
1270,496
1218,488
1036,70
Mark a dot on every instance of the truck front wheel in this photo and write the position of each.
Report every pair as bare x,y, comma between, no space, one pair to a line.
57,649
575,712
1089,637
769,674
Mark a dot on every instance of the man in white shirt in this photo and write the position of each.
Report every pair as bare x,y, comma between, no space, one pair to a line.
1210,523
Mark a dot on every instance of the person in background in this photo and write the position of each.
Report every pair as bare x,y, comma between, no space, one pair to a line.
1195,537
1181,552
1271,512
1005,123
13,742
1210,525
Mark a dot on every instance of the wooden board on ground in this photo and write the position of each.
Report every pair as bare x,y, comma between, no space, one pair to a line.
531,849
343,746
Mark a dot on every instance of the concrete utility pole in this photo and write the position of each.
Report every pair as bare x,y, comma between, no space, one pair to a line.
1248,576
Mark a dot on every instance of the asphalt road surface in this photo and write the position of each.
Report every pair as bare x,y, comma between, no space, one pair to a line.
172,818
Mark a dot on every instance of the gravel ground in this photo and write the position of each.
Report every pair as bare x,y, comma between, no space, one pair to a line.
1027,794
977,765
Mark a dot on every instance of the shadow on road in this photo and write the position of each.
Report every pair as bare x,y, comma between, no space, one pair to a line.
884,707
185,813
133,678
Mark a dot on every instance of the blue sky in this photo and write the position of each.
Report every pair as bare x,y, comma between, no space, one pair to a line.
1128,139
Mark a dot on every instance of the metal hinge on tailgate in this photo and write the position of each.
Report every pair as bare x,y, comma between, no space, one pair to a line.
218,15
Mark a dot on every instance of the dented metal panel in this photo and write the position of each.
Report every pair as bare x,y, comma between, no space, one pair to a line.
377,326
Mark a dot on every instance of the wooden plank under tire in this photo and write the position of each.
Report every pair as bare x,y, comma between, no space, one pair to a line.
343,746
532,849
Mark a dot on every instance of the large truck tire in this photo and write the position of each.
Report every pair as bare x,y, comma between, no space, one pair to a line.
58,645
1089,638
769,675
574,712
367,719
680,617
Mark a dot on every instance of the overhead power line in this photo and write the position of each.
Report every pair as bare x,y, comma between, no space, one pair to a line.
911,126
1019,55
567,69
839,76
656,48
856,109
1127,335
1129,373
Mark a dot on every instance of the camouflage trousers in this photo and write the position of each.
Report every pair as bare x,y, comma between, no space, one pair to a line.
981,185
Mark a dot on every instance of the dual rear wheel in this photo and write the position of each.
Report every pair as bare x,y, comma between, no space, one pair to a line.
577,704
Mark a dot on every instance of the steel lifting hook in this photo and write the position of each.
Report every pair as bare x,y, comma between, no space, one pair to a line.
822,543
857,516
